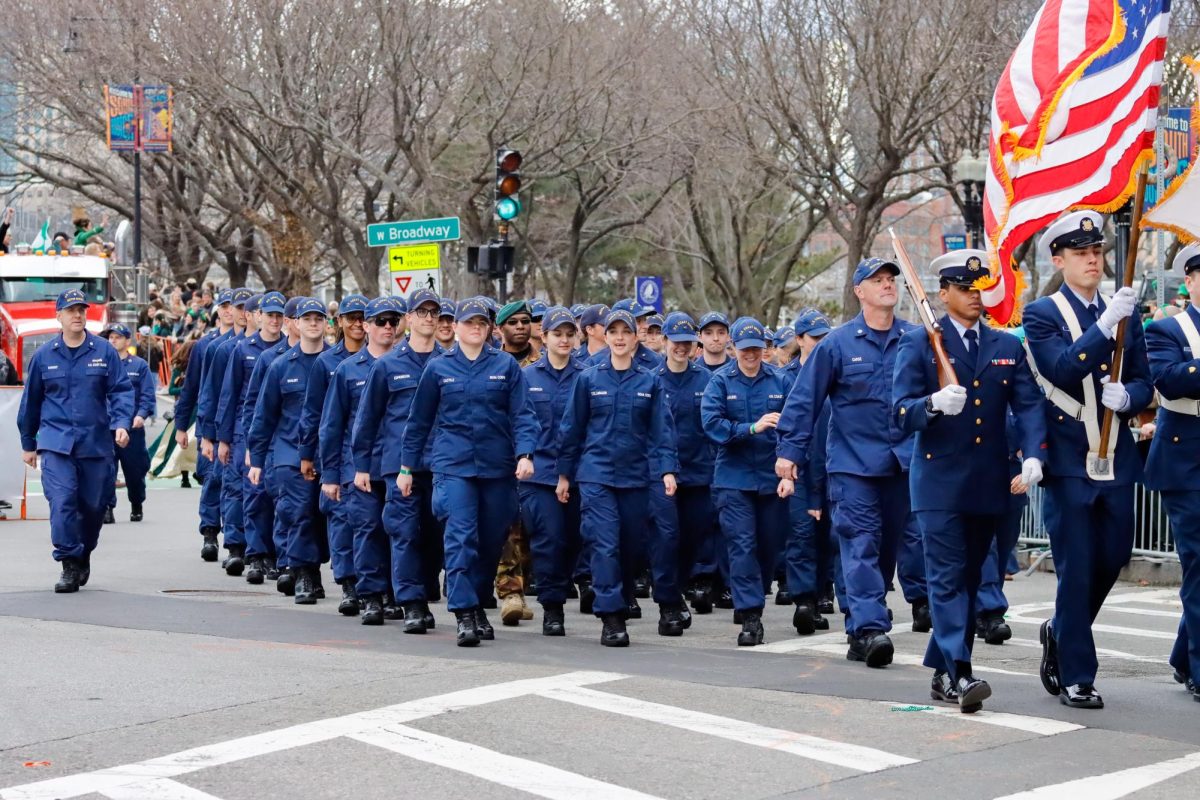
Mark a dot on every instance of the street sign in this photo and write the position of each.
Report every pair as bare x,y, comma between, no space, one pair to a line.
410,258
442,229
649,292
953,241
415,266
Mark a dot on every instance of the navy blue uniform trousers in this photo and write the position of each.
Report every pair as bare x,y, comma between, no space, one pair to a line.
754,526
372,550
956,546
297,512
554,538
258,513
613,523
990,600
341,535
210,490
134,461
415,537
77,491
875,529
231,493
1091,535
477,513
1184,510
685,539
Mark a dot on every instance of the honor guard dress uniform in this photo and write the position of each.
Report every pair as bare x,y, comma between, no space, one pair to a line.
867,464
75,398
479,417
1173,466
339,524
258,504
275,430
216,361
615,439
187,412
809,555
959,478
133,458
415,534
231,431
551,527
1089,508
372,578
686,523
754,518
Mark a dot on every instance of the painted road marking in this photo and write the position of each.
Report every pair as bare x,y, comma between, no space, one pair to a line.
158,789
1039,725
904,659
1098,627
1112,785
850,756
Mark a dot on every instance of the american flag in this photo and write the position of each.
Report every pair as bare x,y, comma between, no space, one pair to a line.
1073,116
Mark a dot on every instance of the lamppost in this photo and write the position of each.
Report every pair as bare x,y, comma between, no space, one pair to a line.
969,173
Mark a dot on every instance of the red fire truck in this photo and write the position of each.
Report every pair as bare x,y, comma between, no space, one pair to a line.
29,284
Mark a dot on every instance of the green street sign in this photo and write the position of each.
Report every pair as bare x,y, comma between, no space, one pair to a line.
386,234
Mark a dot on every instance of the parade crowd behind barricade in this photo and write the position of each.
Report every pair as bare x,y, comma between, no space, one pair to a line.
418,449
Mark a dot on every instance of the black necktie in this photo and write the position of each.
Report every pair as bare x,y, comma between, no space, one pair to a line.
1095,312
970,337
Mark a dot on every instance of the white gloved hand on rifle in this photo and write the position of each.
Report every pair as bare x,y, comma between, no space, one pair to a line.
1121,307
949,400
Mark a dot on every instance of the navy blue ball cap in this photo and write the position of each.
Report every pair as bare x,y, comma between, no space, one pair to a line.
272,303
578,309
748,332
557,317
654,321
448,309
311,305
783,335
593,315
253,302
70,297
620,315
400,303
379,306
420,297
241,295
352,303
118,329
869,266
812,322
634,308
537,309
492,305
713,318
289,308
470,309
680,327
224,297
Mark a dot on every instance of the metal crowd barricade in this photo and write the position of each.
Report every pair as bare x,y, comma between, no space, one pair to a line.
1152,530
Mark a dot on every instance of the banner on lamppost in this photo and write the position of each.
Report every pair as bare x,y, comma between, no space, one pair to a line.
649,292
156,108
120,110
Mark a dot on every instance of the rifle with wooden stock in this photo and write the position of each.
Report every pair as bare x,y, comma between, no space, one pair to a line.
945,369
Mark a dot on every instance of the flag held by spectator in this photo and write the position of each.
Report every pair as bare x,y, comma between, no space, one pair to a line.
1176,212
1073,118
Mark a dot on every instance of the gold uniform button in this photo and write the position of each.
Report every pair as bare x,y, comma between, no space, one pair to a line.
1174,438
1083,356
1104,367
1005,381
1191,369
975,384
978,440
978,402
928,455
1060,418
978,421
902,412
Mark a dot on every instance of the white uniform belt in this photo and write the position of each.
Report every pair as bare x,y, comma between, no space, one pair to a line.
1188,406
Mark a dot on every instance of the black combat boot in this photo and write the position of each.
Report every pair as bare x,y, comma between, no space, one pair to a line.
135,512
254,570
109,519
236,561
702,597
587,595
414,620
804,618
390,609
349,605
318,586
613,633
427,616
634,611
641,585
184,483
69,580
752,629
724,598
270,568
669,622
305,591
467,635
554,621
285,584
922,619
485,629
210,548
372,610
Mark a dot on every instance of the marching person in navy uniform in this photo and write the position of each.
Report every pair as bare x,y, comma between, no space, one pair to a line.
339,526
1173,466
276,430
990,602
474,402
414,532
187,411
740,410
363,499
615,439
714,336
959,478
1089,509
552,528
867,460
133,459
77,403
591,325
687,522
264,324
643,356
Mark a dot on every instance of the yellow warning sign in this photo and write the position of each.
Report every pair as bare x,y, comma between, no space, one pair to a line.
414,258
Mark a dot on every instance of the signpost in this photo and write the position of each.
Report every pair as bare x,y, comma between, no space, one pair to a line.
417,231
648,291
415,266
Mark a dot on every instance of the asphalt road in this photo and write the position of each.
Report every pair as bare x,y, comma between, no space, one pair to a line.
165,678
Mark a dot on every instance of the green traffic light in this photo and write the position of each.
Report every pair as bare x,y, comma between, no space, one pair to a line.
508,208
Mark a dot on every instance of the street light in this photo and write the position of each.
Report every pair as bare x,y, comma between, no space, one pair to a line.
970,171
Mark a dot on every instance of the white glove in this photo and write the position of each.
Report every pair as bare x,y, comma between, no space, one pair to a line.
1114,396
949,400
1121,307
1031,471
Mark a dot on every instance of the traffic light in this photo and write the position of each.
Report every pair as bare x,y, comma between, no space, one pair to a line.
508,184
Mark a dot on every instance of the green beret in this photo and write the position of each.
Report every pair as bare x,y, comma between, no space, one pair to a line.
509,309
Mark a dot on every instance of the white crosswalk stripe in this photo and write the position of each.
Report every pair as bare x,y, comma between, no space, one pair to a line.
1112,785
